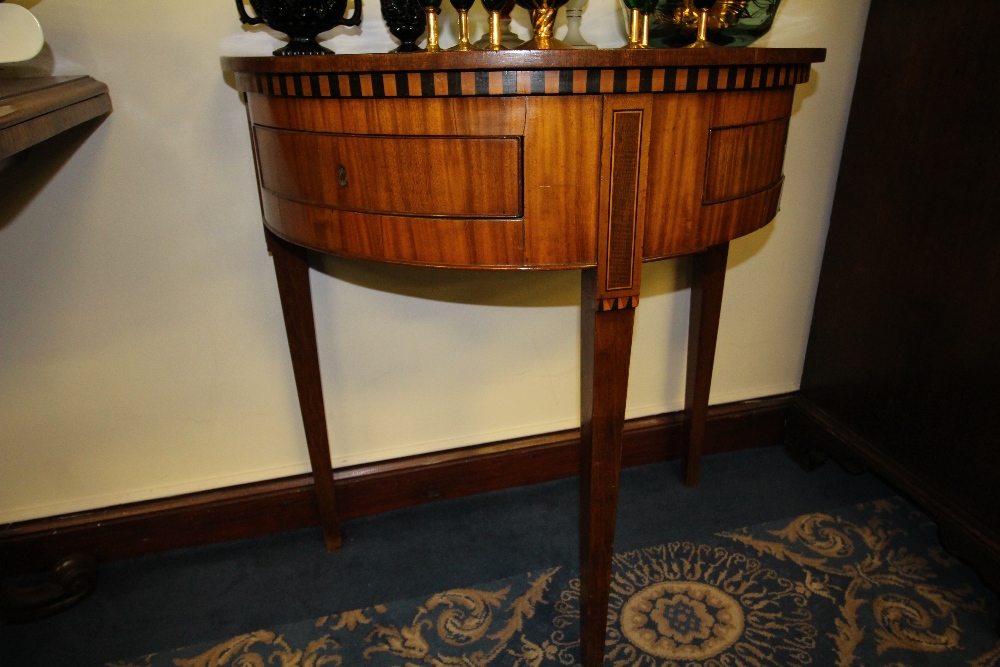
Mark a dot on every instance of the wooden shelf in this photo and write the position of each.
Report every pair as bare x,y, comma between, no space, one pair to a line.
34,109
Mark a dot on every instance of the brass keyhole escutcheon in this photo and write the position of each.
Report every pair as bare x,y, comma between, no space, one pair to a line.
342,175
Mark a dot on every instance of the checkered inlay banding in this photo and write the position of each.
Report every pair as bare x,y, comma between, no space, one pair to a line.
525,82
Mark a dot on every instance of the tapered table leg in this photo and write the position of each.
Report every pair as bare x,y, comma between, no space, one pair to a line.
606,345
708,276
291,268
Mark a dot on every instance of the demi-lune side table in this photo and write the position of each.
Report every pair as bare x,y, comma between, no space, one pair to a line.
588,160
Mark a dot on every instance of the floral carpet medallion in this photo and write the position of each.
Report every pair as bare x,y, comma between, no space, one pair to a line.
864,586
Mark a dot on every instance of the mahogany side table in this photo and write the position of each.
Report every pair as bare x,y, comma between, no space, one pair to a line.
592,160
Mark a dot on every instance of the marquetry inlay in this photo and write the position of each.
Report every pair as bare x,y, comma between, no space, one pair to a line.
457,83
624,195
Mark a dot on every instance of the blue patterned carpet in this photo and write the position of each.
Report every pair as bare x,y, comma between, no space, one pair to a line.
864,585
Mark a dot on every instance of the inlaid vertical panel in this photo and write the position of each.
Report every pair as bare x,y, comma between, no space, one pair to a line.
624,156
626,143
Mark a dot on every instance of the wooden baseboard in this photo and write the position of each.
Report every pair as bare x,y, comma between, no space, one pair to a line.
277,505
811,427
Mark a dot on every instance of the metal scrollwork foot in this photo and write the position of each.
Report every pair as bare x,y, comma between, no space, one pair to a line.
72,579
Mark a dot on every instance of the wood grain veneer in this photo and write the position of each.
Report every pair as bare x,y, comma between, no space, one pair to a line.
443,116
418,176
744,160
560,195
729,60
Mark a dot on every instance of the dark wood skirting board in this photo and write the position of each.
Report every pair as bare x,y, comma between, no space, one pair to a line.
273,506
812,428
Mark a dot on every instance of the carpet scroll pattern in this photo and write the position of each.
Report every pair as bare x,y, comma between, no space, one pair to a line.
863,586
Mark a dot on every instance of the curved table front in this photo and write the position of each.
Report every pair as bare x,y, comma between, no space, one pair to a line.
592,160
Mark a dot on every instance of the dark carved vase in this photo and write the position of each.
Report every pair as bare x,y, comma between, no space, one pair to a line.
406,20
301,20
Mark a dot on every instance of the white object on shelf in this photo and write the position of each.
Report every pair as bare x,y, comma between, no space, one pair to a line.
574,16
20,34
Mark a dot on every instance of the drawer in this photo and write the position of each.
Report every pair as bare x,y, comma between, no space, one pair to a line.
397,175
744,160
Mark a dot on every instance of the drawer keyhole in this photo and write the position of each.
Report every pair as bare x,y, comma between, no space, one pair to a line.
342,175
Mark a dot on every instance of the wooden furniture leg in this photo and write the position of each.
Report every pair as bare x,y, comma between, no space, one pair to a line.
708,276
291,267
606,345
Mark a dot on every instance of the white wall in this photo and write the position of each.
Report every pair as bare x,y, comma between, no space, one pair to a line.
142,352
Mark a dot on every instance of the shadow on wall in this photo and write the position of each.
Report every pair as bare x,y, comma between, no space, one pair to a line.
515,288
539,289
22,176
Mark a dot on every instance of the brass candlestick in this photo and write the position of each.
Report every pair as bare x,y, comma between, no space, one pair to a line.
463,7
496,35
634,29
648,8
543,19
494,7
433,8
702,41
637,18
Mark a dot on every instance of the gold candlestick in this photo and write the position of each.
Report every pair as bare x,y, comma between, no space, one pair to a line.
634,29
432,29
543,19
464,44
496,35
494,40
702,41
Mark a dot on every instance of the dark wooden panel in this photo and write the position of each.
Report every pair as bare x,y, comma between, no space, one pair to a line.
473,177
744,160
285,504
903,346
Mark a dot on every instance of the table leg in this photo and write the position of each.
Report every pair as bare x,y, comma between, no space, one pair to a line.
606,345
291,267
708,276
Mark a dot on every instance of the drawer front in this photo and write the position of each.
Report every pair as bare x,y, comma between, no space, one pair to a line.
420,176
744,160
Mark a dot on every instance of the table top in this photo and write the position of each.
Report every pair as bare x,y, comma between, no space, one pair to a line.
523,60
